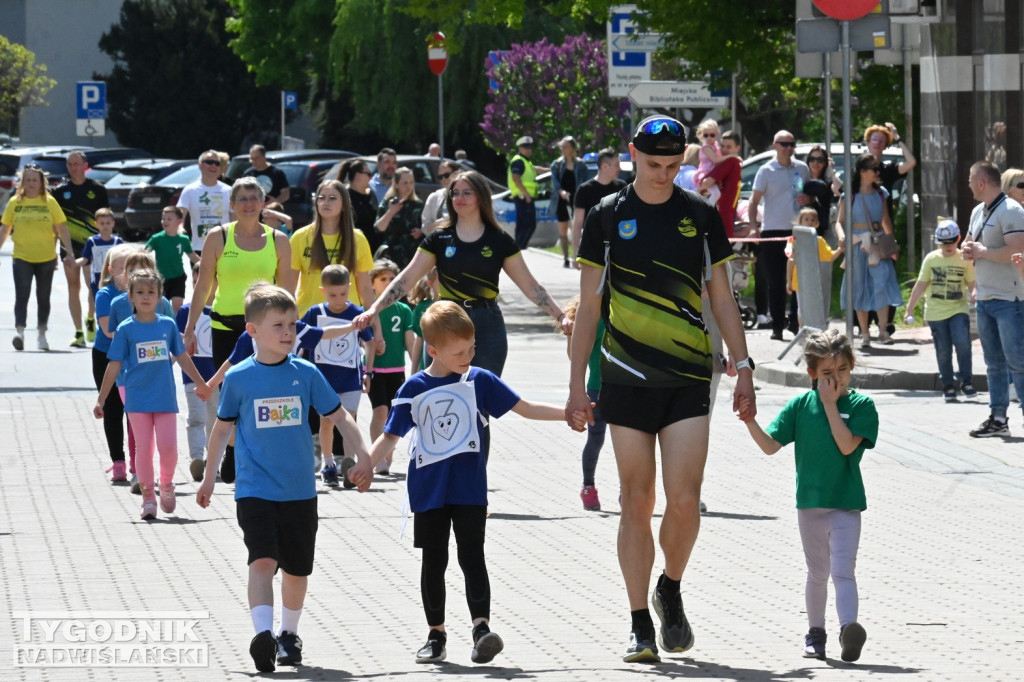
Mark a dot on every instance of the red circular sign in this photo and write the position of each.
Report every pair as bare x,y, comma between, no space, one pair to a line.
437,56
846,10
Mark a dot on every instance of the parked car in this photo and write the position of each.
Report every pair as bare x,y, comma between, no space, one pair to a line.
424,170
241,162
626,173
146,202
55,165
750,166
547,222
101,173
13,159
131,176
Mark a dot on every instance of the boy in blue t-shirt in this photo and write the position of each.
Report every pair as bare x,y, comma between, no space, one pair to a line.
265,398
339,359
445,406
94,253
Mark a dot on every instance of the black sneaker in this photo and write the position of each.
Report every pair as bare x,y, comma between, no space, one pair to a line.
991,427
969,390
641,648
486,644
851,638
675,634
949,393
227,466
433,651
814,643
263,649
289,648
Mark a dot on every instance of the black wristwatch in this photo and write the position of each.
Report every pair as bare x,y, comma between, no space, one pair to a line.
745,363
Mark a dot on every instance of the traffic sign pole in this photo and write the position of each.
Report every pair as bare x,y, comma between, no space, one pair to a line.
281,143
851,263
437,60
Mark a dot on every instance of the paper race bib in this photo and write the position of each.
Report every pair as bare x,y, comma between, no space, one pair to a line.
342,351
271,413
152,351
204,337
447,423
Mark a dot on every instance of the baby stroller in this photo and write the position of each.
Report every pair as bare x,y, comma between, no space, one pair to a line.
741,268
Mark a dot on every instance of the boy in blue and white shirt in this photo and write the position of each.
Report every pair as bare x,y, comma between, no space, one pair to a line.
265,399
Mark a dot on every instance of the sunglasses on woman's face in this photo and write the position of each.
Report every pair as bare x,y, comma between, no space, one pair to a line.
444,176
1019,185
815,159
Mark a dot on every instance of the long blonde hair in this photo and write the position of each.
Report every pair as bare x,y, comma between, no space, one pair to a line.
318,256
393,189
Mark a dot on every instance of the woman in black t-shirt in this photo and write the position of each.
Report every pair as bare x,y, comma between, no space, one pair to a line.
470,251
567,174
355,173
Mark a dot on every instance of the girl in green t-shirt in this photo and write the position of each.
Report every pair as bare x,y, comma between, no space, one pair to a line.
831,426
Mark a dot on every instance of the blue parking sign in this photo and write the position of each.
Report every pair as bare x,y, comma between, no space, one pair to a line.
91,99
291,101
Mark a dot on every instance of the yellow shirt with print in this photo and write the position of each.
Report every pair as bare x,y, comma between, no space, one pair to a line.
309,294
32,221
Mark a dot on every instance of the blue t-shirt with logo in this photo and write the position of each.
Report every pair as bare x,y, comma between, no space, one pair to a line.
204,363
103,299
306,338
147,350
273,443
342,379
121,309
461,479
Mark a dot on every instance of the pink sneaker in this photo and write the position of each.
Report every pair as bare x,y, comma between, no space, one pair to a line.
589,497
148,503
167,500
118,472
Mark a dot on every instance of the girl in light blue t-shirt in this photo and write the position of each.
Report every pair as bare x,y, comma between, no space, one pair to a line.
144,345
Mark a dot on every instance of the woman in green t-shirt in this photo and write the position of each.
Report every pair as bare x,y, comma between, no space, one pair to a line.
34,220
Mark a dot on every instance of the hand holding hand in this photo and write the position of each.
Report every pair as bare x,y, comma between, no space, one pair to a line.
361,474
203,391
362,321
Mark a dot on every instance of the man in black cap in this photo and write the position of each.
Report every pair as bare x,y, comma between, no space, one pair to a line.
646,253
522,185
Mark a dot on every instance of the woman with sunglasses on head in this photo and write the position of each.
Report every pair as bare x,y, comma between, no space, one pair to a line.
470,250
873,280
435,209
398,218
356,174
35,221
824,186
567,174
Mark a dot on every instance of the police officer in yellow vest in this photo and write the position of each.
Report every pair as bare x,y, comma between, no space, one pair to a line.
522,184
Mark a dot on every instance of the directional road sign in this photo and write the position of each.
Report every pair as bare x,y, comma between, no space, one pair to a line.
693,94
627,65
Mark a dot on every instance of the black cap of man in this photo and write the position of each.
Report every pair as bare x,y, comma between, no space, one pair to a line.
660,136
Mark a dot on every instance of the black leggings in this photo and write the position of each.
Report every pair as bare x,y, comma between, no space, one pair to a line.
432,528
113,409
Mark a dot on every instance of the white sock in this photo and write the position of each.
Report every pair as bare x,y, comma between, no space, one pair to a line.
262,618
290,619
329,462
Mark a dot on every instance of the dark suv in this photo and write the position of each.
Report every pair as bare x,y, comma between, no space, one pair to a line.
55,165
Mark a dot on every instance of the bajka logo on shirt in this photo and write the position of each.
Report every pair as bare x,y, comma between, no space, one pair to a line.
449,252
151,351
687,228
627,228
274,412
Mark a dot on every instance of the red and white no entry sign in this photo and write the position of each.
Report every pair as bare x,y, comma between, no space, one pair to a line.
437,56
846,10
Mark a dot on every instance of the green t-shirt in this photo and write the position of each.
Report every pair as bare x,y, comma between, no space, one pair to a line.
417,315
169,251
594,364
395,321
825,477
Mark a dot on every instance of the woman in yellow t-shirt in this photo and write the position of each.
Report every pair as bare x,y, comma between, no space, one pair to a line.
332,238
34,220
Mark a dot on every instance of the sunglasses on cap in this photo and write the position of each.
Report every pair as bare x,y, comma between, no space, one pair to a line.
786,144
660,125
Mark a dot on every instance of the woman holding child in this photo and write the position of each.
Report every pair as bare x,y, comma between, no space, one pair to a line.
470,251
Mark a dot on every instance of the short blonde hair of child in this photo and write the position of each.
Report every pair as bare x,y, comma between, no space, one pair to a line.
707,124
264,296
103,212
381,266
446,320
807,211
113,255
141,259
144,276
827,344
334,275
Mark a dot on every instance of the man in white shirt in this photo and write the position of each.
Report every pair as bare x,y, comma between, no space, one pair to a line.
206,201
435,210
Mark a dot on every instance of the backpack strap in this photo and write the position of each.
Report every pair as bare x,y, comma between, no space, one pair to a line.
606,210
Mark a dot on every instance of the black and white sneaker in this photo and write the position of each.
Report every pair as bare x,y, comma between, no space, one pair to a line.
433,651
949,393
991,427
641,648
814,643
486,644
851,638
289,648
675,634
263,649
969,390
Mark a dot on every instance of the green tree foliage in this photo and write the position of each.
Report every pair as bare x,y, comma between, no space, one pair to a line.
23,83
176,87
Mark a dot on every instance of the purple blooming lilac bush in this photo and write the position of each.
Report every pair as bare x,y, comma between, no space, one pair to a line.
548,91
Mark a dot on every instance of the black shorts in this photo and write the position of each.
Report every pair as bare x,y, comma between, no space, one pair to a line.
564,211
76,247
432,527
174,286
383,388
652,409
282,531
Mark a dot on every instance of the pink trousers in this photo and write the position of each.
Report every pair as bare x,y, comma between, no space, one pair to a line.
162,425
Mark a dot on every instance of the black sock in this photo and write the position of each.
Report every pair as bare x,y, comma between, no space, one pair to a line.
642,621
667,585
438,635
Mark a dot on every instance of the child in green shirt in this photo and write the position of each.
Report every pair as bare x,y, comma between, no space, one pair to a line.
169,246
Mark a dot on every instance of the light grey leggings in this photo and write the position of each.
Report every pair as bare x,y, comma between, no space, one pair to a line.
830,538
